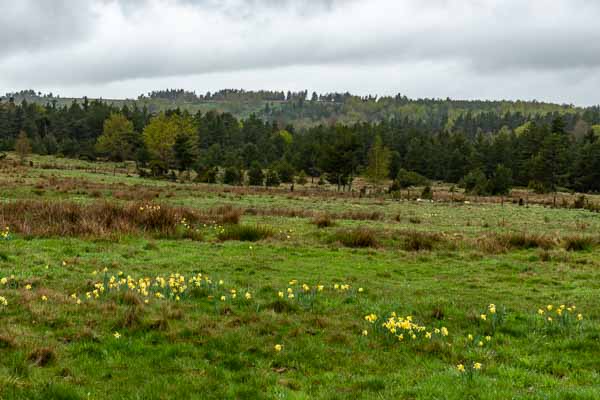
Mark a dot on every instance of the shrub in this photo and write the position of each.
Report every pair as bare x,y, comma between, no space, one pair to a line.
245,233
256,177
427,193
272,178
360,237
406,179
285,171
232,176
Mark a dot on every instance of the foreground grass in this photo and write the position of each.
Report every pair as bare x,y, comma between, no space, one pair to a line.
202,348
441,263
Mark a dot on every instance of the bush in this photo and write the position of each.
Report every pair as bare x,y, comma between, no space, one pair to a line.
245,233
406,179
272,178
232,176
301,178
360,237
427,193
256,177
476,183
285,171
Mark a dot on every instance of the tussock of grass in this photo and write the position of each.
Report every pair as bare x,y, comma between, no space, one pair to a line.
227,214
360,237
578,243
323,221
523,240
245,233
419,241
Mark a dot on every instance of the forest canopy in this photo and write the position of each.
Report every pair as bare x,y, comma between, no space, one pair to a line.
486,146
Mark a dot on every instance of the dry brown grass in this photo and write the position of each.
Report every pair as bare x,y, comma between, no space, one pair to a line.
99,219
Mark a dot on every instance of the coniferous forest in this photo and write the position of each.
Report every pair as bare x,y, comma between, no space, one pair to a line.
486,146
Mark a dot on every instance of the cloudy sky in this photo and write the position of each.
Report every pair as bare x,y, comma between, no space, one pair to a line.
491,49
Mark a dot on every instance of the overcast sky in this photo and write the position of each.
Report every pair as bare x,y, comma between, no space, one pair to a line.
505,49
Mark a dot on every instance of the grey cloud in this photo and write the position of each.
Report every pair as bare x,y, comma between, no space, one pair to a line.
30,25
124,40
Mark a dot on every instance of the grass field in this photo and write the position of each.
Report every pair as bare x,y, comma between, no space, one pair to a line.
104,295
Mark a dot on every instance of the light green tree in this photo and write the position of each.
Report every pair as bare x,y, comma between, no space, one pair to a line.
379,162
161,134
118,140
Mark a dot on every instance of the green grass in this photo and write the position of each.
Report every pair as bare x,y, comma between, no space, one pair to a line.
200,347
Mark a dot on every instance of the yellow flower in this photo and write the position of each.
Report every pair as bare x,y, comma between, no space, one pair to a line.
28,287
248,296
117,335
428,335
3,301
480,344
360,290
280,294
3,281
483,317
223,298
371,318
549,319
579,317
492,308
320,288
488,338
470,337
44,298
477,366
540,312
291,296
444,331
549,307
278,347
460,368
365,332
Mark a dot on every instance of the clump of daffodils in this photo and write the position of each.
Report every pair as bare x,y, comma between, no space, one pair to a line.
558,317
175,287
5,233
404,328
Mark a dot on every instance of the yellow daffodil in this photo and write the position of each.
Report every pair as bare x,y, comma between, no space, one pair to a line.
117,335
278,347
483,317
460,368
477,366
365,332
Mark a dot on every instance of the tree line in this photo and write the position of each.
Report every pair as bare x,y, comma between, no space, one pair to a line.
486,152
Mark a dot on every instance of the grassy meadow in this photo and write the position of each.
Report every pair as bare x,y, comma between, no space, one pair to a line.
113,286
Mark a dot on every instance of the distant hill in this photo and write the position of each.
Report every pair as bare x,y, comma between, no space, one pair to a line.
302,109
